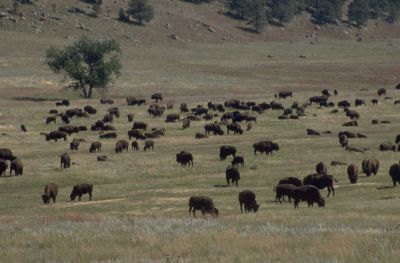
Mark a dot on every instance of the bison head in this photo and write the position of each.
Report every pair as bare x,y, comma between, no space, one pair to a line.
46,199
256,207
73,195
275,146
321,202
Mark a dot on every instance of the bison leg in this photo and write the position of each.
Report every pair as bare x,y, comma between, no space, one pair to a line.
296,203
236,181
333,191
290,201
90,196
394,182
227,180
329,191
241,207
190,210
80,196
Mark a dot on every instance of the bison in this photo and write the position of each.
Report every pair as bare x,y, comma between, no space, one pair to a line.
248,199
291,180
50,119
65,161
139,125
135,146
343,141
265,147
110,135
184,158
226,150
238,160
308,193
121,145
199,135
148,144
352,173
3,167
137,134
56,135
202,203
157,97
173,117
321,181
81,189
95,146
89,109
283,190
6,154
394,173
232,175
50,192
321,168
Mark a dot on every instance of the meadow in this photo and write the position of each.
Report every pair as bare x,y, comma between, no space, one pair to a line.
139,211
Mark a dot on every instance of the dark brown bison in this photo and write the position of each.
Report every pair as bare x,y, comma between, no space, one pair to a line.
53,111
23,128
17,166
282,190
214,128
394,173
89,109
387,146
148,144
50,192
226,150
352,173
308,193
121,145
185,123
114,112
235,127
344,104
139,125
108,118
265,147
65,160
313,132
381,92
6,154
374,102
238,160
106,101
232,174
348,134
95,146
359,102
56,135
157,97
321,168
110,135
291,180
202,203
184,108
74,145
68,129
50,119
321,181
343,141
158,131
135,146
352,114
199,135
248,199
285,94
130,117
137,134
3,167
81,189
184,158
173,117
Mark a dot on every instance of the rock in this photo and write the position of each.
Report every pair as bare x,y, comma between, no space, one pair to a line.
167,25
212,29
302,56
3,15
317,28
101,158
174,37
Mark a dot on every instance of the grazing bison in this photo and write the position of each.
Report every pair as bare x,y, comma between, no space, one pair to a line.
23,128
89,109
139,125
50,119
370,166
157,97
95,146
248,199
350,124
214,128
394,173
308,193
381,92
106,101
6,154
121,145
352,173
56,135
68,129
199,135
359,102
74,145
3,167
64,118
137,134
148,144
110,135
202,203
185,123
114,112
374,101
17,166
235,127
65,161
282,190
50,192
387,146
321,168
344,104
135,146
238,160
81,189
130,117
321,181
285,94
173,117
232,175
265,147
352,114
226,150
184,158
108,118
291,180
343,141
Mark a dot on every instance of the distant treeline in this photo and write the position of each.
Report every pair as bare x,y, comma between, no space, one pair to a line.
260,12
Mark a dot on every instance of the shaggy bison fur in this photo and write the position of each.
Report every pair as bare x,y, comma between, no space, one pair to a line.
352,173
50,192
204,204
6,154
226,150
394,173
248,199
321,181
3,167
17,166
321,168
238,160
56,135
121,145
65,161
265,147
370,166
232,175
148,144
283,190
308,193
81,189
95,146
184,158
291,180
135,146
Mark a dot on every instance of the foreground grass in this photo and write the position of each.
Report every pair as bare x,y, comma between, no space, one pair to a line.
139,211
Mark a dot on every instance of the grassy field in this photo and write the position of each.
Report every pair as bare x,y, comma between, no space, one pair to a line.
139,211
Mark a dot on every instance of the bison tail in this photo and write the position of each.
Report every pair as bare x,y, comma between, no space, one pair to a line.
335,179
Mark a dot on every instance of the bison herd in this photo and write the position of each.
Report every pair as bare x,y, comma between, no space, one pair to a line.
232,113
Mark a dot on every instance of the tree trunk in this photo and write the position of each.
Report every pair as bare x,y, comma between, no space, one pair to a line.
90,92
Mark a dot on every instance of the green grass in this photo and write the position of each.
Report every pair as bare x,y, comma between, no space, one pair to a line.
139,210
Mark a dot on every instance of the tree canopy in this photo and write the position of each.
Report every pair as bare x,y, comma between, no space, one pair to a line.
90,64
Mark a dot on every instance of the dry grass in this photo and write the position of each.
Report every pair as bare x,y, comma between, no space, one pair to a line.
139,210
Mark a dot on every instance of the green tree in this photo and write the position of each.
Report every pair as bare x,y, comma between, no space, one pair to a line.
140,10
326,11
358,12
283,10
256,12
393,7
90,64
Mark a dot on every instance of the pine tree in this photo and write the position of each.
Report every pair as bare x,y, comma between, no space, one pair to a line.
140,10
358,12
